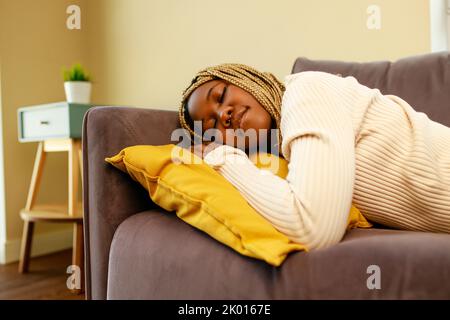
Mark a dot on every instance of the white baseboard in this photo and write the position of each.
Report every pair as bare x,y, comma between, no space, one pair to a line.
43,243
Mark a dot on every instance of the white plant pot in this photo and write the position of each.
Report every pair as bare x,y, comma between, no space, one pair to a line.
78,91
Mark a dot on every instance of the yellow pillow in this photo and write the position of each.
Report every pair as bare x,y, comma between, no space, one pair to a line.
279,166
204,199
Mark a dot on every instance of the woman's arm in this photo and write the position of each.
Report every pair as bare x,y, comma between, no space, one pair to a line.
312,205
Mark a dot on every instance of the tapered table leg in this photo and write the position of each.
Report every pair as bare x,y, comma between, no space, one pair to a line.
25,250
28,227
78,253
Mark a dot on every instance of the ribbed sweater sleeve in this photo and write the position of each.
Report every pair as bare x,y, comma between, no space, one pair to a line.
312,204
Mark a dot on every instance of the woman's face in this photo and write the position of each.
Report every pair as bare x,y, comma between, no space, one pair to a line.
221,105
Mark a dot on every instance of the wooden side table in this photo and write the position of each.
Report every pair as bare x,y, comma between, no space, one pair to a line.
57,128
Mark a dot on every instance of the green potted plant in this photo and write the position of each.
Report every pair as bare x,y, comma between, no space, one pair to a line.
77,84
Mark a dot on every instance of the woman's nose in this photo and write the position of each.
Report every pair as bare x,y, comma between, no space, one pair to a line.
225,115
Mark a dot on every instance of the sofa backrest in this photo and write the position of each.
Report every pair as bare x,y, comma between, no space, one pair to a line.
423,80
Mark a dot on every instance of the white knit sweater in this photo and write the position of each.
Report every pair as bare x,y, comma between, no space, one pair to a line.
347,143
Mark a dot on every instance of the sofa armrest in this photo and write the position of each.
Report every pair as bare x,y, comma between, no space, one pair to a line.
110,196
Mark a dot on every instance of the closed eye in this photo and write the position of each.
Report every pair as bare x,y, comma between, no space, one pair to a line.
222,97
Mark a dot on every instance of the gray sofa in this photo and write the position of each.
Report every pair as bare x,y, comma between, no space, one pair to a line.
136,250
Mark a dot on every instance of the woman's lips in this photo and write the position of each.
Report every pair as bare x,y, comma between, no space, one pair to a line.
239,117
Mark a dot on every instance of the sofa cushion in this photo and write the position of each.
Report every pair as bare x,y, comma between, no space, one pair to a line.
172,260
179,181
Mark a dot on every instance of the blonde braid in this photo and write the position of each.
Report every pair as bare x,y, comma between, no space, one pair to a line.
264,86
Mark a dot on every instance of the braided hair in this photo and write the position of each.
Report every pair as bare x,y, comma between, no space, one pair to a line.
263,86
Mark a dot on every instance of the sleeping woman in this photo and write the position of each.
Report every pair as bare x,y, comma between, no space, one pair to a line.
345,143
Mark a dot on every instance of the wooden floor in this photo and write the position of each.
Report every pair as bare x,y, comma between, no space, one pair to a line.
45,281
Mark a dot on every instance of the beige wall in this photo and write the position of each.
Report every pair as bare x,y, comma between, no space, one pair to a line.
144,53
34,45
